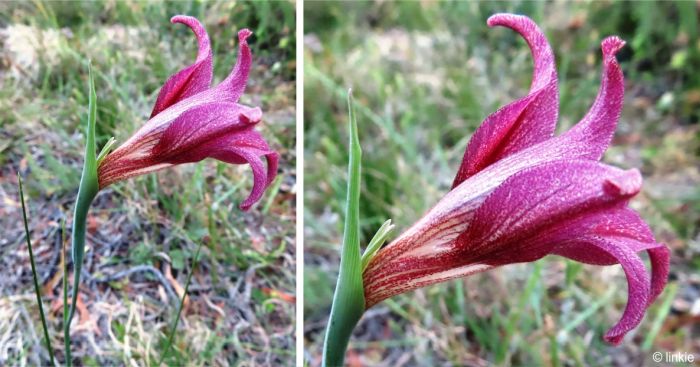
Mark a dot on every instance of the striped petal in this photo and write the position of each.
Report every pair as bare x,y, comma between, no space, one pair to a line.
200,125
539,197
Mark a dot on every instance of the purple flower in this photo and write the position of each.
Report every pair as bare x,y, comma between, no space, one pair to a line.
192,121
521,194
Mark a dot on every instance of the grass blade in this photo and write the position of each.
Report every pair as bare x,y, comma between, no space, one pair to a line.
37,290
66,329
171,336
588,312
664,309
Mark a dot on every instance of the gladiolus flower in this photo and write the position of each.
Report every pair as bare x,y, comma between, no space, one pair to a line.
521,194
192,121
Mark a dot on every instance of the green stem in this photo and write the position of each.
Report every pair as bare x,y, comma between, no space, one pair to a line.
37,290
348,300
85,198
87,191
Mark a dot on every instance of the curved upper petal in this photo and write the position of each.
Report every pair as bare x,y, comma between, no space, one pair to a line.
586,140
192,79
525,122
594,132
231,88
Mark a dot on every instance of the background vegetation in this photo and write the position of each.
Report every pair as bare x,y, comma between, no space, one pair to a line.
425,74
143,233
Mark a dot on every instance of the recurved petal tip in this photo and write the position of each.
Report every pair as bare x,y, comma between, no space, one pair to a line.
261,178
199,31
522,123
181,19
611,45
614,339
243,35
627,184
192,79
251,116
638,289
502,19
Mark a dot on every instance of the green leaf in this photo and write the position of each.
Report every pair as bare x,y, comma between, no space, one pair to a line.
376,243
105,150
349,299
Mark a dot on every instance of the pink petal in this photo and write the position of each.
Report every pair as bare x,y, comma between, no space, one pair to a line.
261,178
201,124
596,129
231,89
534,199
522,123
575,209
621,222
192,79
622,225
581,249
239,147
587,140
638,285
660,258
607,238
